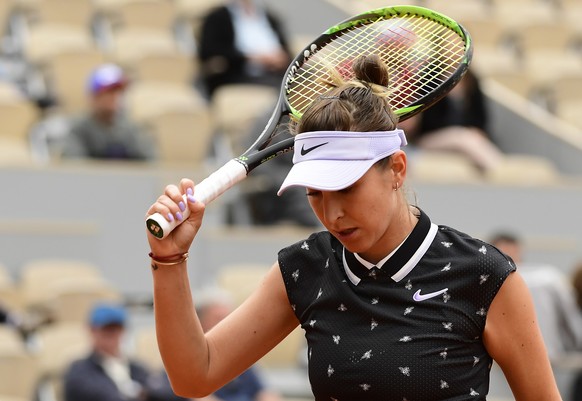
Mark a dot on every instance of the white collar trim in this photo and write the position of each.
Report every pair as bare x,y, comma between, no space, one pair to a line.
408,266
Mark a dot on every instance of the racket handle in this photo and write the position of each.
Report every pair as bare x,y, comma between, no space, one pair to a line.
206,191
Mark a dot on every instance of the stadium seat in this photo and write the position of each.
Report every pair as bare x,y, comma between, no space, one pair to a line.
569,111
71,298
38,276
525,170
145,347
14,152
129,45
494,49
241,279
158,15
77,14
56,346
516,14
545,66
183,136
66,73
17,118
147,99
442,167
458,9
45,40
19,372
173,67
236,108
516,81
9,293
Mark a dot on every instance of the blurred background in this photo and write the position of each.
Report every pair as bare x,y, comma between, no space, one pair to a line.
72,229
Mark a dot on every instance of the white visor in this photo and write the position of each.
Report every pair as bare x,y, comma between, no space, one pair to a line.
334,160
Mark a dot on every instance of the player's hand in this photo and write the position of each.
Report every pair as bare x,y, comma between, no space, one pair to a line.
171,205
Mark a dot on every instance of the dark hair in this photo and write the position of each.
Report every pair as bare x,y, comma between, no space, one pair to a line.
359,104
504,236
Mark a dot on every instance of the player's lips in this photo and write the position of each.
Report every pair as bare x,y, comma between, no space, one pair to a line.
345,234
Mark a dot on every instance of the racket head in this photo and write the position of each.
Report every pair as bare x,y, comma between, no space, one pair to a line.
426,53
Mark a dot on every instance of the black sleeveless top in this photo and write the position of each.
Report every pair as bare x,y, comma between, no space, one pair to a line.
411,330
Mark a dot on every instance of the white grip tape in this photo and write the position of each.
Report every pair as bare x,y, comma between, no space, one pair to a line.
206,191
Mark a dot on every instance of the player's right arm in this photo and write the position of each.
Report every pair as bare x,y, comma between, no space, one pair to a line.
198,363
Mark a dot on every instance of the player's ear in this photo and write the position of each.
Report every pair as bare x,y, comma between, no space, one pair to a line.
399,162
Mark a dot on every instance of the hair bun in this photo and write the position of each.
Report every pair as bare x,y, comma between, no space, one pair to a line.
370,68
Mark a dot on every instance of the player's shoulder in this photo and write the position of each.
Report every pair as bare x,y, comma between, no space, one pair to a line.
462,242
318,240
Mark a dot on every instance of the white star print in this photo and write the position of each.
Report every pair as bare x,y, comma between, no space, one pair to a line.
481,312
447,244
312,322
330,371
319,293
473,393
408,285
372,274
447,267
483,278
404,370
327,263
374,301
373,324
444,353
367,355
475,360
295,275
336,339
444,384
294,307
405,339
483,250
342,308
446,297
448,326
305,246
408,310
365,386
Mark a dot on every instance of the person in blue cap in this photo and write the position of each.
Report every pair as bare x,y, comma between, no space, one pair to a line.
105,131
107,374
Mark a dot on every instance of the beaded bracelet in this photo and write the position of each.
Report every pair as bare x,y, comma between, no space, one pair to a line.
167,261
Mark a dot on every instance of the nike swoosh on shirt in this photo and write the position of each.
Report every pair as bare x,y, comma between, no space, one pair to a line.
306,151
418,297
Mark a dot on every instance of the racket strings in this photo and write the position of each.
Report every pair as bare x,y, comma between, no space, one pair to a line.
421,55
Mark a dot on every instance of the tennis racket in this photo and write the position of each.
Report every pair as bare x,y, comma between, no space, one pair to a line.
426,52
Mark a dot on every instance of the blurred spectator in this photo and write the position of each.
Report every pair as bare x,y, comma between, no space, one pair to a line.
577,283
9,318
242,42
213,305
47,137
554,299
457,123
106,374
105,131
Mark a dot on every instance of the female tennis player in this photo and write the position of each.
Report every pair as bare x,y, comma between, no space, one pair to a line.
394,307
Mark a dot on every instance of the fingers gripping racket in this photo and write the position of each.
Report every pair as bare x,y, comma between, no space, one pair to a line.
426,52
